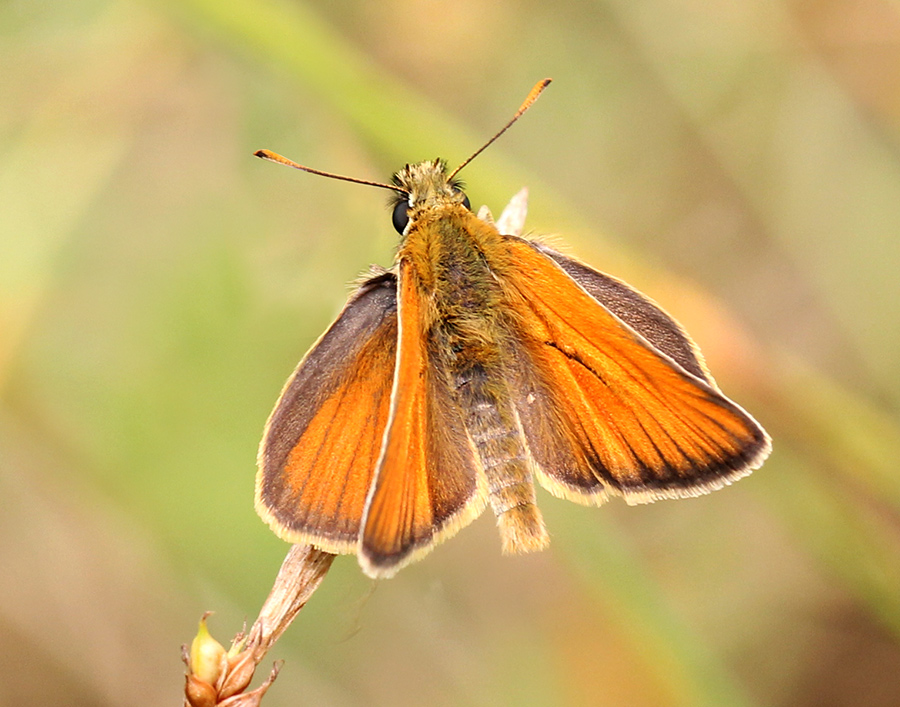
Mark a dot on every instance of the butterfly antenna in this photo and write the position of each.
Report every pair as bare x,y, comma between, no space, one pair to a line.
275,157
532,97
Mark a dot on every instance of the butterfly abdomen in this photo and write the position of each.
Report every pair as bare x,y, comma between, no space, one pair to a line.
495,435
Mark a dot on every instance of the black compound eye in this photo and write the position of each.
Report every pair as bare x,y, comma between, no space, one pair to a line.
401,216
465,201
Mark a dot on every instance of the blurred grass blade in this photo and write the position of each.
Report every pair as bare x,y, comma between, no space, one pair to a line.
838,429
839,491
52,171
612,574
397,122
853,541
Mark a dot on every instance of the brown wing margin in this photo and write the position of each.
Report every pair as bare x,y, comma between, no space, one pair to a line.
428,485
321,443
604,410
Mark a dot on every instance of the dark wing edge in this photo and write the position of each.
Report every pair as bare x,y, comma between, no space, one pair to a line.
368,317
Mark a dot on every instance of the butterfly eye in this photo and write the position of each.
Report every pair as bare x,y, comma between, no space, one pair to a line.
465,201
401,216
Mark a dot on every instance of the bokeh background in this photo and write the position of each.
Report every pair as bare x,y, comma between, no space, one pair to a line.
739,162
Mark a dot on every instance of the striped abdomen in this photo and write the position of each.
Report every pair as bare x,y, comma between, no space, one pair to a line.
494,430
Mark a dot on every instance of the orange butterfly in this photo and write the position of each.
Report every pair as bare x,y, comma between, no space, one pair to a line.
480,361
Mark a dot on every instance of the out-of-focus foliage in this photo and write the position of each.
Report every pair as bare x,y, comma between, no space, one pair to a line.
739,162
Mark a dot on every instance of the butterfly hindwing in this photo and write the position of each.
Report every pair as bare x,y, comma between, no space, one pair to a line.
427,484
628,415
322,442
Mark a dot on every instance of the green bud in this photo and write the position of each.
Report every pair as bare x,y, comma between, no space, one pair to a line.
206,654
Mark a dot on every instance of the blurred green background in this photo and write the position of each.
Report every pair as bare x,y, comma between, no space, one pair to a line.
739,162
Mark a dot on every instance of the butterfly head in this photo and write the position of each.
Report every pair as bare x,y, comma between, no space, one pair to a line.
424,187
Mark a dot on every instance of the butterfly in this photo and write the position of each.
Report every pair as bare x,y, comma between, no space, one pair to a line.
480,362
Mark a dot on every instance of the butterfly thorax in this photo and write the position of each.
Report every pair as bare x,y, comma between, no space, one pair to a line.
451,253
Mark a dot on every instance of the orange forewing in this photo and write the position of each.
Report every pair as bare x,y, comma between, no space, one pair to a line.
630,419
322,442
428,484
637,311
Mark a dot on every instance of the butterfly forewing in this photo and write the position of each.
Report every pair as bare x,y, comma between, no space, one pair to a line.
637,422
322,442
427,483
636,310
